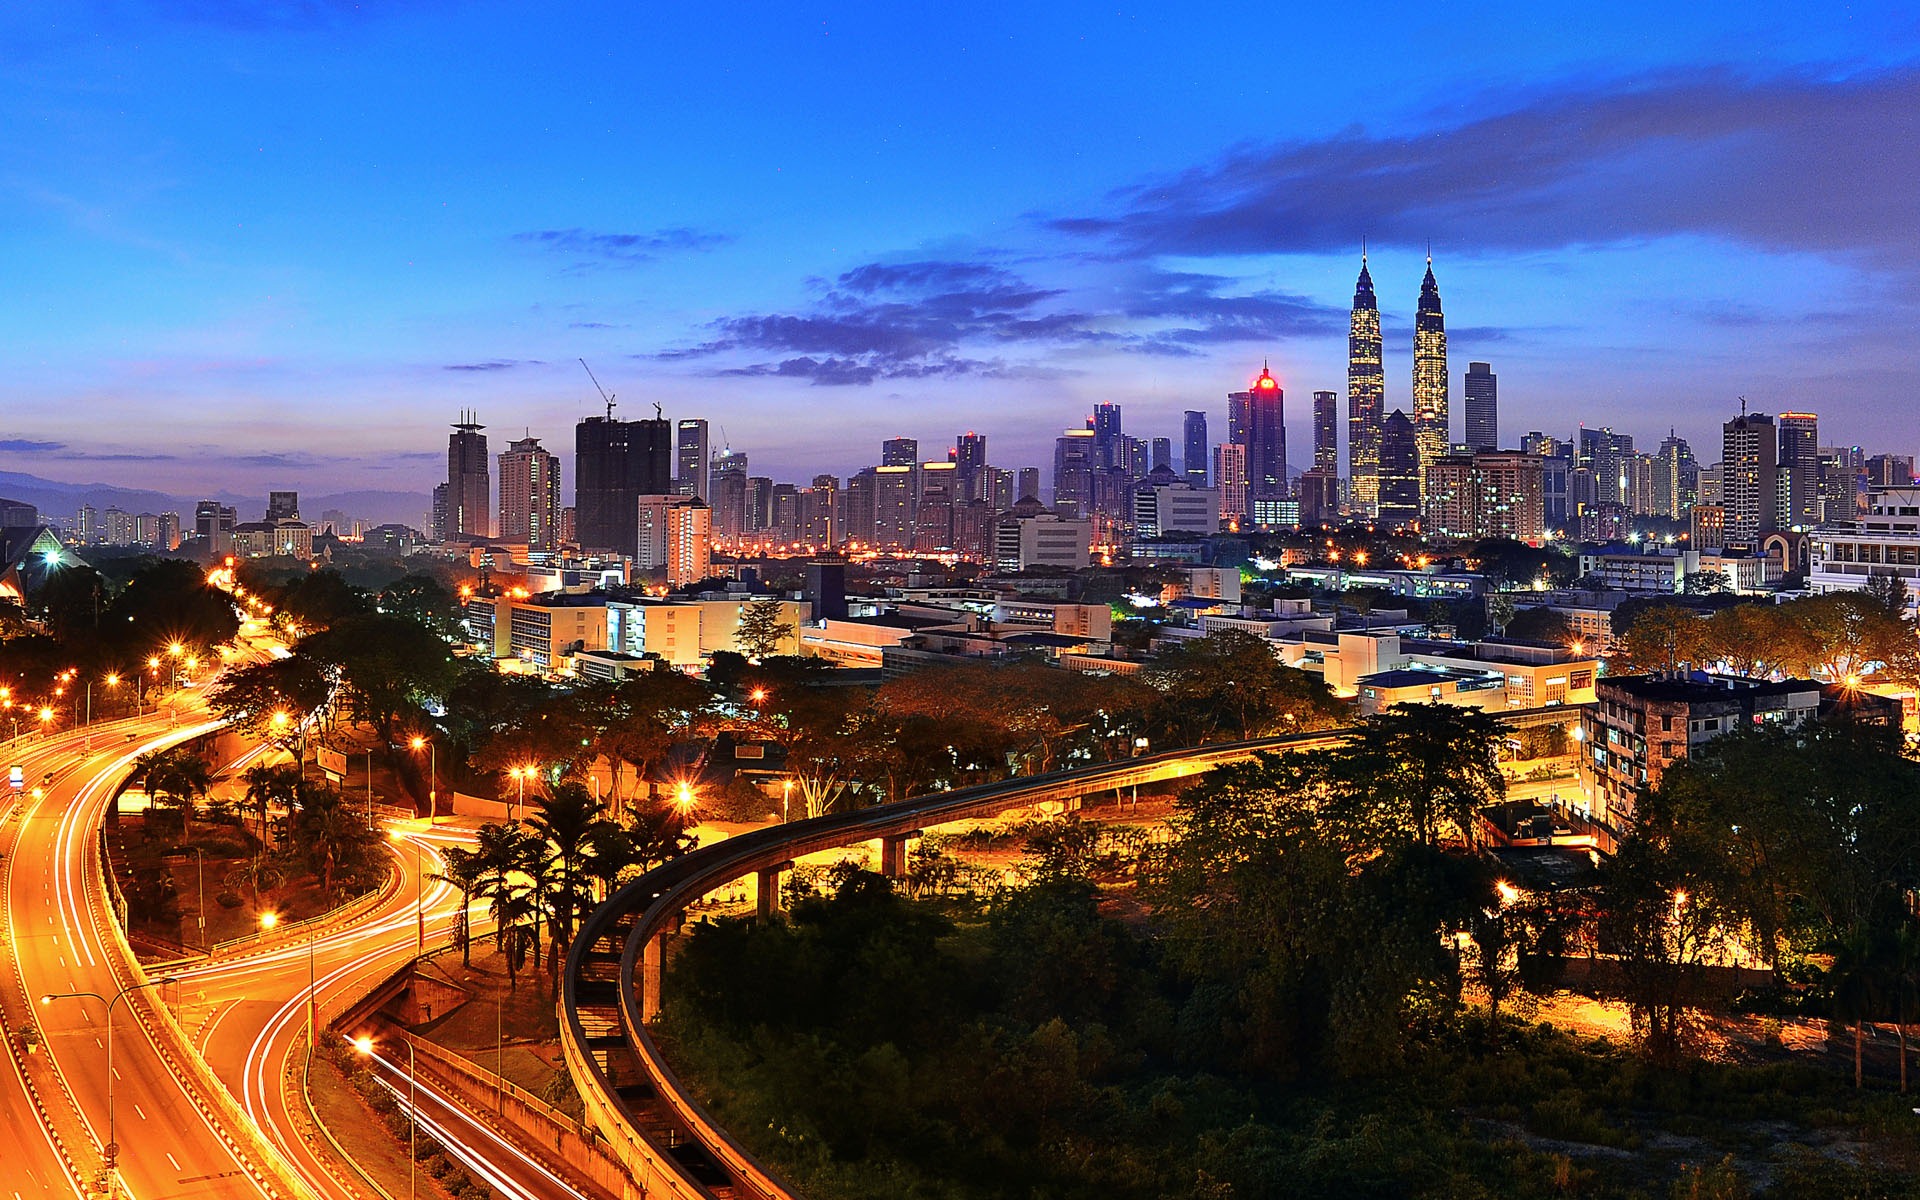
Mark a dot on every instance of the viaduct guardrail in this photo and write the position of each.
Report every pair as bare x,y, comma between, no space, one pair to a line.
667,1142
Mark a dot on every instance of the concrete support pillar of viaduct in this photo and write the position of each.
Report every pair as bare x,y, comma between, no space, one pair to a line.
653,960
766,892
893,853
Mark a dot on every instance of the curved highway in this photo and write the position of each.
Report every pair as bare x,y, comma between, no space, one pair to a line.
665,1140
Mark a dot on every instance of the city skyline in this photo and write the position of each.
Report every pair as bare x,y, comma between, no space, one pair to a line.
250,282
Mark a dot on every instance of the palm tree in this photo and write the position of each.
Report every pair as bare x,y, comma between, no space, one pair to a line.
327,832
566,830
464,870
181,775
267,785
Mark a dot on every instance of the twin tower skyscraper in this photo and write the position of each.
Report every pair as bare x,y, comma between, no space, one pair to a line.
1384,471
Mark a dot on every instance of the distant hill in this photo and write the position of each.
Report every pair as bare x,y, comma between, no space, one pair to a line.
59,501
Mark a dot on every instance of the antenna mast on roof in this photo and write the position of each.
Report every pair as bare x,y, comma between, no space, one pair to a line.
598,388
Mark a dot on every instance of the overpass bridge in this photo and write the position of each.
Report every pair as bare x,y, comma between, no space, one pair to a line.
611,990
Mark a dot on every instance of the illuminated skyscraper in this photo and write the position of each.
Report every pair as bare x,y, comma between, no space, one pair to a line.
614,464
899,452
1366,395
1749,479
1266,440
1430,372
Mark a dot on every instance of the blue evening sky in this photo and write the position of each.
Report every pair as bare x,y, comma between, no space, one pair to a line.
282,243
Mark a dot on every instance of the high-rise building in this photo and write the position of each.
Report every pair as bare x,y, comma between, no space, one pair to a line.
1161,455
213,524
282,506
1749,479
899,452
1399,472
1843,482
1266,440
1366,395
614,464
1074,463
894,498
1890,470
820,514
674,535
1026,483
1799,464
692,459
469,480
759,503
1430,419
1482,389
437,523
970,456
727,477
530,495
1107,433
1606,454
1230,478
1676,477
1193,448
1326,432
858,508
1490,495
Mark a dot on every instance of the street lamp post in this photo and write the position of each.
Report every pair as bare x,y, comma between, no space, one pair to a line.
365,1046
433,776
520,776
111,1151
786,801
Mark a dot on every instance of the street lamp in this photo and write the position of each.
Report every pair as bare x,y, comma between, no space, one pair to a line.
521,775
111,1151
786,800
365,1046
433,776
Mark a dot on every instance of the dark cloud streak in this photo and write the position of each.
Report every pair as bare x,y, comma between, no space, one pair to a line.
1789,164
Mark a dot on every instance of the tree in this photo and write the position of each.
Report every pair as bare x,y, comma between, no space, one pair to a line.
1540,625
1230,686
1664,638
463,870
565,834
249,697
1420,772
179,775
328,834
425,601
1889,592
269,784
761,630
389,666
169,601
1706,583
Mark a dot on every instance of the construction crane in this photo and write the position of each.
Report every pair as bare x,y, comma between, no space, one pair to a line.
598,388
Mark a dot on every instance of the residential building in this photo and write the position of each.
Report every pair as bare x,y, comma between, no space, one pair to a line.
1489,495
1799,470
1230,480
530,495
1326,432
1676,478
1643,724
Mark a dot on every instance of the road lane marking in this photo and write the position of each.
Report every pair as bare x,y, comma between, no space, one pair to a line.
143,1115
175,1162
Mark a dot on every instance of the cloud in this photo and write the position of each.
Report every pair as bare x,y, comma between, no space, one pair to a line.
592,246
590,325
1785,163
495,364
945,319
23,446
